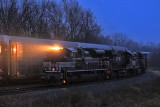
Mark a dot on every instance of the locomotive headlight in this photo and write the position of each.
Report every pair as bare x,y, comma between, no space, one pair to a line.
64,81
53,69
18,73
56,48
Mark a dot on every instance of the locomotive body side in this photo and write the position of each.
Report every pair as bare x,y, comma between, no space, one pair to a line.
92,61
76,64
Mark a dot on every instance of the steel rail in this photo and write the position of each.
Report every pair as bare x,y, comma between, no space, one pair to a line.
48,87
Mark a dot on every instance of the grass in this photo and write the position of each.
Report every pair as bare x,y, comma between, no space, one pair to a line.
146,95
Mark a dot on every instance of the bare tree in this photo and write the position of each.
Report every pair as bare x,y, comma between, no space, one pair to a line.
80,23
65,20
90,29
42,24
56,21
73,21
106,39
8,16
32,18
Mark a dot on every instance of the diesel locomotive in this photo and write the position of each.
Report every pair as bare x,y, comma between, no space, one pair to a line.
88,62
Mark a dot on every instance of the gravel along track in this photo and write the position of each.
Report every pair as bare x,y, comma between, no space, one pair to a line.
39,87
149,76
29,97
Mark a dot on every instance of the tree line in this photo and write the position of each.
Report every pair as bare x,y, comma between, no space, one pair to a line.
63,20
60,20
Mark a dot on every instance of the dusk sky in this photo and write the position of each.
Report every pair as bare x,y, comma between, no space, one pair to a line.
139,19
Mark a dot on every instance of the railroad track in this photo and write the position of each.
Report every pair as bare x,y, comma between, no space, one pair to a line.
48,87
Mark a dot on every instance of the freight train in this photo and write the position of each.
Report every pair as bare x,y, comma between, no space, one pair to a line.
89,62
65,62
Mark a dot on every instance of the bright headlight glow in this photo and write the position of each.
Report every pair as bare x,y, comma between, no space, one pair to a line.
57,48
53,69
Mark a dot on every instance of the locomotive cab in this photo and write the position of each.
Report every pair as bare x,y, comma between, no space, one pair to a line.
56,62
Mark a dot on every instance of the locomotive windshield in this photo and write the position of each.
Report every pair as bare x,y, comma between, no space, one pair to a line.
60,54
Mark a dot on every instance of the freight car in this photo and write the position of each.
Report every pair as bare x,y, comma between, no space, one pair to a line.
63,61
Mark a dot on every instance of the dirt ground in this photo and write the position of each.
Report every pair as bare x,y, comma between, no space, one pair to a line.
139,91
